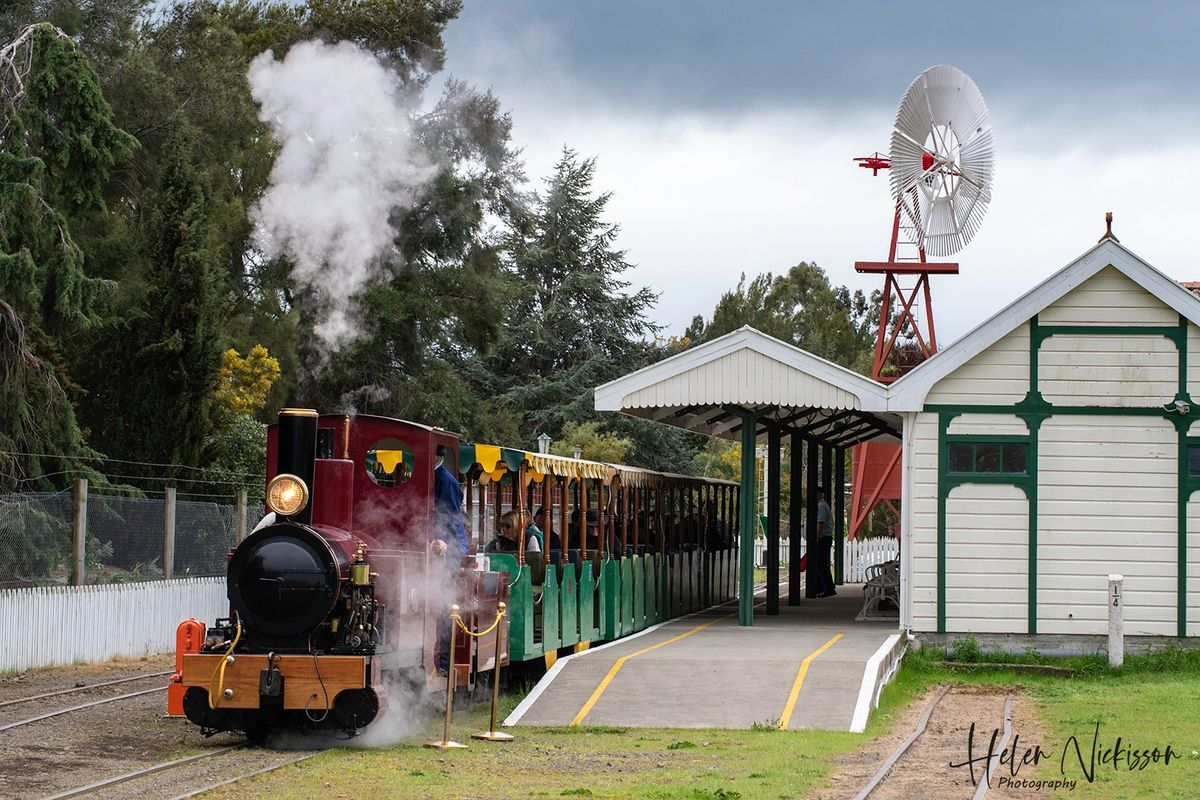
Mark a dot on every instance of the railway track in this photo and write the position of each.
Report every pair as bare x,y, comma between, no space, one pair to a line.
897,755
164,778
59,711
86,688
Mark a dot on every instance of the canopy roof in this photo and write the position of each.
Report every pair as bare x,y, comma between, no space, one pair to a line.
707,389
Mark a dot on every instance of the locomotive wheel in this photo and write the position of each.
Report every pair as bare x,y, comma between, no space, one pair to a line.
356,708
195,707
257,734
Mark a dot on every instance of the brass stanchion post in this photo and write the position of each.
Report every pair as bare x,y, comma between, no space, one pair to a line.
493,735
446,743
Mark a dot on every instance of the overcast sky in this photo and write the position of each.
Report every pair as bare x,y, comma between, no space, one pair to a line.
726,131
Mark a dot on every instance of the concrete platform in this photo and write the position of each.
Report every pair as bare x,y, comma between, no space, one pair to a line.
706,671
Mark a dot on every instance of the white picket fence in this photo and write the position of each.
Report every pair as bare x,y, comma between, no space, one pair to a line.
56,625
858,555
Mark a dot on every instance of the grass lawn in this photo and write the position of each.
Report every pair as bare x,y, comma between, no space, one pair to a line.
577,762
1153,701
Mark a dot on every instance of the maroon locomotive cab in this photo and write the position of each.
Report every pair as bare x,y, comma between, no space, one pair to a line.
374,477
373,474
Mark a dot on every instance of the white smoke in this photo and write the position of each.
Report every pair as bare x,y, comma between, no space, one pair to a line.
415,600
347,160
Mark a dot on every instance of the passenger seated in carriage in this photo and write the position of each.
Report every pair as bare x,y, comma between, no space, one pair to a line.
648,531
592,539
514,524
716,534
552,540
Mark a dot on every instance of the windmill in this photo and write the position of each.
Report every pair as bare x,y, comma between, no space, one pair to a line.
940,166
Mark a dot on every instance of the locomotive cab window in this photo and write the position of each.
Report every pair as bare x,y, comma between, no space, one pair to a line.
989,458
389,463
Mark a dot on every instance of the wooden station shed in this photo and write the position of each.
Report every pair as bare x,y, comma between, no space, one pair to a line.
1054,444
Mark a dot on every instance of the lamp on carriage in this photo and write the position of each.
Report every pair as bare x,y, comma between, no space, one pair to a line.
578,452
543,443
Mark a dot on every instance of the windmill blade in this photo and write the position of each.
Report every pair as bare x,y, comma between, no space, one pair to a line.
942,159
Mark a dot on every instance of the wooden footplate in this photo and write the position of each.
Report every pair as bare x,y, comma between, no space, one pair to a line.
302,686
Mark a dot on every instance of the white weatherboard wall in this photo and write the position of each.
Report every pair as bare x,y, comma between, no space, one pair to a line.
923,536
1106,504
1108,298
1108,371
987,559
1193,566
64,624
998,375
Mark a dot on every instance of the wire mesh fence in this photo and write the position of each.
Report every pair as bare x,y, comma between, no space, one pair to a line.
35,536
125,537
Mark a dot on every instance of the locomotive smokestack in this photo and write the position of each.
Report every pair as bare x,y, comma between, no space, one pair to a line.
297,451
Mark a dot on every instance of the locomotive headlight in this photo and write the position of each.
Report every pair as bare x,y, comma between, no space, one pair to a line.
287,495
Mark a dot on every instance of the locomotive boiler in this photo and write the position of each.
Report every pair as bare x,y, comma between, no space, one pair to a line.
336,594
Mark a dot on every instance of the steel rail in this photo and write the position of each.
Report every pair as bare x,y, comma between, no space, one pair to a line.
994,761
896,755
80,707
89,687
141,773
228,781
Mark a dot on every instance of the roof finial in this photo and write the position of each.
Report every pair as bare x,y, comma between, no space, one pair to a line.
1108,234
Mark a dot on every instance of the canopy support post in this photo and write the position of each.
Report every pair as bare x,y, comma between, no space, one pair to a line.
746,523
774,442
795,520
839,515
810,521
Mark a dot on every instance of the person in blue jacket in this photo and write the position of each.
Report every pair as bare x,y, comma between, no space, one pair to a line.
448,541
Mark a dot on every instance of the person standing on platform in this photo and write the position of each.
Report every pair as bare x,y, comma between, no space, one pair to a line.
448,541
824,546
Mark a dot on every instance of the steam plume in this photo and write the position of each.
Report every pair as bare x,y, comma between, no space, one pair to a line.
347,161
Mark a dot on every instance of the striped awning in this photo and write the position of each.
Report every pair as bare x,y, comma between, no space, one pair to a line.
496,461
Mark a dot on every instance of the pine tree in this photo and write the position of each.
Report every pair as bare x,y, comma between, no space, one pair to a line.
158,409
572,325
57,146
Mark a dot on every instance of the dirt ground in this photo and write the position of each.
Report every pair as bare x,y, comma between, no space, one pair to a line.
76,749
52,679
925,771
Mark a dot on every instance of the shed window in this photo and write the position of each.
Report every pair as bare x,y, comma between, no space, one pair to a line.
997,458
1194,459
962,458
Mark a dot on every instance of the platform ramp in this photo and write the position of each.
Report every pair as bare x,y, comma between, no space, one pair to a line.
803,668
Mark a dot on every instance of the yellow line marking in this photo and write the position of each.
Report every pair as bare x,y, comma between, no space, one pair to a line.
620,662
791,701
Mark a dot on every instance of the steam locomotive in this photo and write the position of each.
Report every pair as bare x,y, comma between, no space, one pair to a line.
336,594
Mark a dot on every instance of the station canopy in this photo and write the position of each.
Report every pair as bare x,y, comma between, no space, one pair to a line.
709,388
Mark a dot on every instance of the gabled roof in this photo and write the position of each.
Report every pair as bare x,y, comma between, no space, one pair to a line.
707,389
908,393
711,376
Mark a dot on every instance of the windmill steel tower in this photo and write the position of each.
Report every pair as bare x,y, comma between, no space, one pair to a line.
940,167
